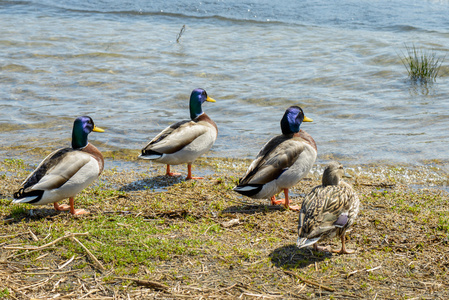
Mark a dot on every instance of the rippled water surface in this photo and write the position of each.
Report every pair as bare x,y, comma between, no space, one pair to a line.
119,62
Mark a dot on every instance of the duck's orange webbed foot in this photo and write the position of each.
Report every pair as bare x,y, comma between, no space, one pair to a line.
322,249
293,207
168,173
285,202
74,211
189,173
62,207
343,249
79,212
188,178
276,202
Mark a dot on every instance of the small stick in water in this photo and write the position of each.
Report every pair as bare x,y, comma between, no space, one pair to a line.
180,33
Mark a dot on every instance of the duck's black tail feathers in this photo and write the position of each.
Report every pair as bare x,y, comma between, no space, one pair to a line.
150,154
21,196
248,190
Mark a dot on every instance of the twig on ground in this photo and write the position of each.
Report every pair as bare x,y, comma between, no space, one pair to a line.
309,281
152,284
72,234
90,292
366,270
66,263
227,288
37,284
12,235
97,262
46,273
33,236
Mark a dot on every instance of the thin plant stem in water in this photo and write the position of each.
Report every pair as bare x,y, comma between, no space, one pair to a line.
183,28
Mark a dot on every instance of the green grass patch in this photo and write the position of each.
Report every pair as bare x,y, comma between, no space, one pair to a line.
4,293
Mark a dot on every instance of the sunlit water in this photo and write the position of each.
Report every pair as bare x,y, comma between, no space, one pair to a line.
120,63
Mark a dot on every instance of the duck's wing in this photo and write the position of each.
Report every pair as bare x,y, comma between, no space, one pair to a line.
56,169
326,209
275,157
174,138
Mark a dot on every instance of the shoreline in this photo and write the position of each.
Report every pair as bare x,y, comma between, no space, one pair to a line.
36,154
432,173
162,237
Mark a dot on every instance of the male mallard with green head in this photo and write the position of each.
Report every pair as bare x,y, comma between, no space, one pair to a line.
184,141
65,172
282,162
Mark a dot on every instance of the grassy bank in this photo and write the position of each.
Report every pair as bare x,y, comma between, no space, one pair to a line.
149,236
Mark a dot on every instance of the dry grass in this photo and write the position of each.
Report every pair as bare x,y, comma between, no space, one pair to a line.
154,237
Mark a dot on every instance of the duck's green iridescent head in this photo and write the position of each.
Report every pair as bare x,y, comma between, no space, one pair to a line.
292,119
81,129
197,98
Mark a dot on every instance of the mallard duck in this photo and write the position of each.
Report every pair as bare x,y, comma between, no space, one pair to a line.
184,141
328,210
65,172
282,162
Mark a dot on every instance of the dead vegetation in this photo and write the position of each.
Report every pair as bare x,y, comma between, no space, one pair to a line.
153,237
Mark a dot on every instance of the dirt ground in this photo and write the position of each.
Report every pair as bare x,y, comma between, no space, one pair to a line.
152,237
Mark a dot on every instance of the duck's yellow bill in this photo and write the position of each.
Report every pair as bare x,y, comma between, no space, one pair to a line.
98,129
209,99
307,119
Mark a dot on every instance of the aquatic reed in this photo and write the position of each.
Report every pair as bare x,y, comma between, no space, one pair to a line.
421,65
183,28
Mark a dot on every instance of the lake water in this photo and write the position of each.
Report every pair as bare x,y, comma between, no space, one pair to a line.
120,63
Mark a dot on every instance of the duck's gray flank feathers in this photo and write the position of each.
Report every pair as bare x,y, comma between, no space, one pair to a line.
274,158
48,163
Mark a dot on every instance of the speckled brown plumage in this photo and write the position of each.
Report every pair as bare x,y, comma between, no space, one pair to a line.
328,210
